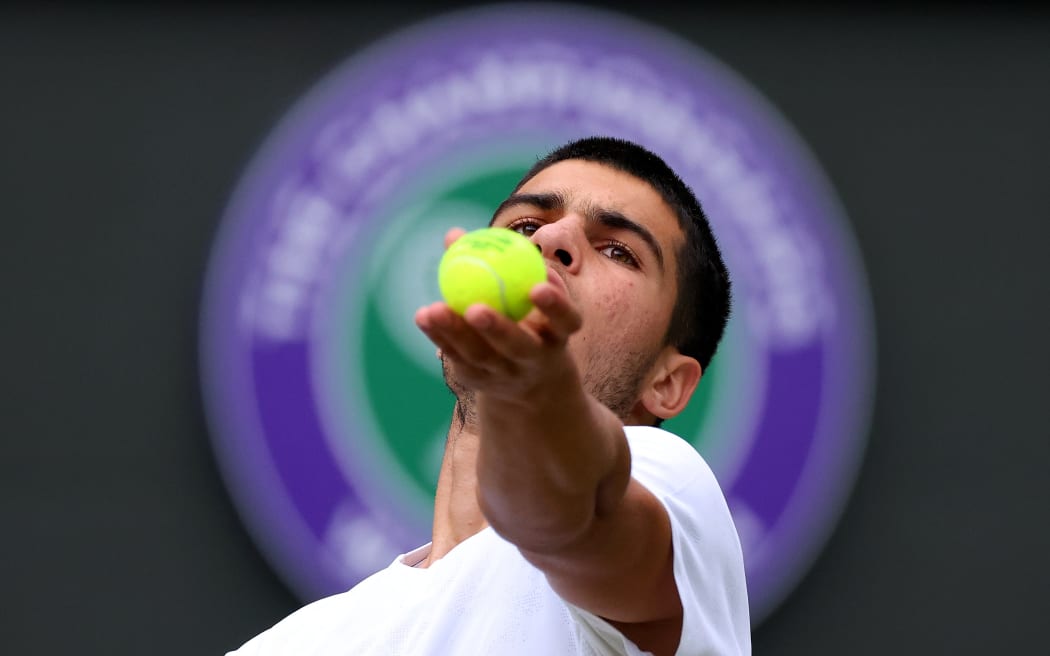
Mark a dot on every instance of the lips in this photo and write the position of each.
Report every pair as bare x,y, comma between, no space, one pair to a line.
555,279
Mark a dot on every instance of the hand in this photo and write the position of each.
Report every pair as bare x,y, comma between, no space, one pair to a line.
492,354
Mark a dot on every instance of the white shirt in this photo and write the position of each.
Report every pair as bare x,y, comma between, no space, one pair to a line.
483,597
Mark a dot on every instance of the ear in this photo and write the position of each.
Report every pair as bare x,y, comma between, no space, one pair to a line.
672,382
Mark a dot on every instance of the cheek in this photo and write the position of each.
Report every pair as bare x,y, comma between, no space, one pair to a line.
629,303
622,313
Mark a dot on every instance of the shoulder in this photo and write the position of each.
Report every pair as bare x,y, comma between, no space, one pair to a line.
708,561
286,636
675,473
313,628
665,463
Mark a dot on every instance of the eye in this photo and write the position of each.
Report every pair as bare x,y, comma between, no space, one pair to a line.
619,253
526,226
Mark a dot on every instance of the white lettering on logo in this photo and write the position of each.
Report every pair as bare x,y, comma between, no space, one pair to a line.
786,301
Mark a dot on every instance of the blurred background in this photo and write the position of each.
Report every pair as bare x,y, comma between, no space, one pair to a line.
124,128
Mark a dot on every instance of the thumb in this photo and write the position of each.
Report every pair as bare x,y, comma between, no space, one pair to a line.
452,235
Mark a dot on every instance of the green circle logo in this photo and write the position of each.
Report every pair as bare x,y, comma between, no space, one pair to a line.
328,408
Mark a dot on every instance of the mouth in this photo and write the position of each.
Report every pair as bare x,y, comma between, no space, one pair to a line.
555,279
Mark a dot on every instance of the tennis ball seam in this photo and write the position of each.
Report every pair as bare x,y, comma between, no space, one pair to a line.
499,279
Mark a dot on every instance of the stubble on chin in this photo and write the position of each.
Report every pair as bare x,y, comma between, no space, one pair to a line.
617,387
466,402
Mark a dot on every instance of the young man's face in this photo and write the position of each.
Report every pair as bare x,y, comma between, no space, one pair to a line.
613,241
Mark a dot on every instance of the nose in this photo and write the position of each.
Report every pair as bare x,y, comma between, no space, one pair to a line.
558,241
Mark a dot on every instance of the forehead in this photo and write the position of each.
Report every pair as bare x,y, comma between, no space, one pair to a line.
585,183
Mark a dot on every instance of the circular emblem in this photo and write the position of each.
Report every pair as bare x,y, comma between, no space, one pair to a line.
326,404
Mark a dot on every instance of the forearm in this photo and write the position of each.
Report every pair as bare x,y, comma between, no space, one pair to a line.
549,463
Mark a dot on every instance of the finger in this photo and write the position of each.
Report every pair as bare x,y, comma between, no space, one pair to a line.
426,316
465,371
426,319
453,334
433,322
452,235
560,318
504,335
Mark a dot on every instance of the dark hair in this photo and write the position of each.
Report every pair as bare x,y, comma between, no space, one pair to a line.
702,308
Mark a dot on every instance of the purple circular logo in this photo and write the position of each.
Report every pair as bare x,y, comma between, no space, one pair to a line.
326,404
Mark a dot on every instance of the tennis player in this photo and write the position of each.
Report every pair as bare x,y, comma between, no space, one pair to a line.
565,520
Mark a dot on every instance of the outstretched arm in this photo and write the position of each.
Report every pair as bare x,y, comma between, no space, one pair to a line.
554,466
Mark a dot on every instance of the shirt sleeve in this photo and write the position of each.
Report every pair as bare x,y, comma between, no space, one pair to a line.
708,562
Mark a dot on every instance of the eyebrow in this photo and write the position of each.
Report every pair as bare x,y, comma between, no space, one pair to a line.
545,202
594,214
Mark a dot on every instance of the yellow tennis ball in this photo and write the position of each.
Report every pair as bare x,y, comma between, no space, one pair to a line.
494,266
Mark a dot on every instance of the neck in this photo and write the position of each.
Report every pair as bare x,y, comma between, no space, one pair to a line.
457,515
